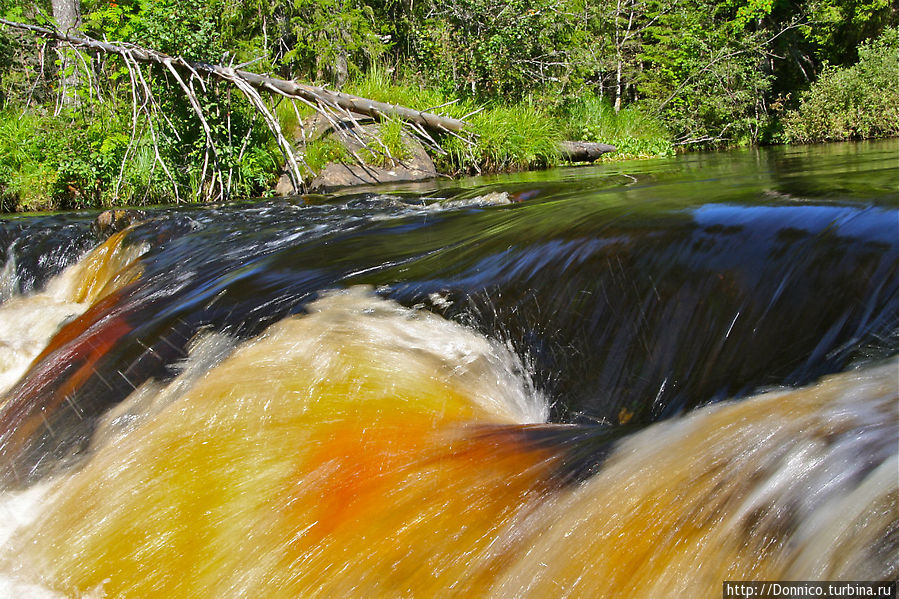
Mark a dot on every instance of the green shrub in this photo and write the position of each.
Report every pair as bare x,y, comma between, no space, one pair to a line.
500,49
857,102
29,176
98,157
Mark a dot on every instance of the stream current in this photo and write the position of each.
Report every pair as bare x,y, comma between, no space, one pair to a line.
634,379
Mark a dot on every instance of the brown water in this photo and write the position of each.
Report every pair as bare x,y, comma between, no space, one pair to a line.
503,387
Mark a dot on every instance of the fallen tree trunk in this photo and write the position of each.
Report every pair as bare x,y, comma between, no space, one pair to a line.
334,106
583,151
309,93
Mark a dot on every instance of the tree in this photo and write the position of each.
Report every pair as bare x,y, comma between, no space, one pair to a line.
67,14
497,48
854,102
839,27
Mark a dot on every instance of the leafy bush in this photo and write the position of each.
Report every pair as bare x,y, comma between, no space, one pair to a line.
495,48
856,102
94,159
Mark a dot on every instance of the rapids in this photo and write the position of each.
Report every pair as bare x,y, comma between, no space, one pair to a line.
624,380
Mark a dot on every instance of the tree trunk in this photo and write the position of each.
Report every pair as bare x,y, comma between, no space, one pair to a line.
341,68
618,85
583,151
310,93
67,14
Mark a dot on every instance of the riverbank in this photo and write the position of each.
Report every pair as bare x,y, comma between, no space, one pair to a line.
104,154
497,138
52,163
198,104
77,160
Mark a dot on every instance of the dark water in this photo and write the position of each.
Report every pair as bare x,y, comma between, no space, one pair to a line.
634,291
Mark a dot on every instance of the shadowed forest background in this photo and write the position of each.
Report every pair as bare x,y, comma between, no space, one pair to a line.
85,129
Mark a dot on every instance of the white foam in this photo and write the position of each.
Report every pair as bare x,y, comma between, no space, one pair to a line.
17,509
27,323
8,278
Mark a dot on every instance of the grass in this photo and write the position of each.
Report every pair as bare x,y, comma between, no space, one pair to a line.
501,137
321,152
506,138
27,179
380,84
635,133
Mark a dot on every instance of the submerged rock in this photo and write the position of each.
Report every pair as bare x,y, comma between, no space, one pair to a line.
113,221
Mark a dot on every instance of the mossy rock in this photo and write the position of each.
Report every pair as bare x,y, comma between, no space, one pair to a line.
397,160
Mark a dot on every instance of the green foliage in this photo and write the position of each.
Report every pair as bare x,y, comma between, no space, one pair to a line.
333,37
391,144
385,145
378,83
47,164
644,75
25,178
97,158
512,137
188,28
321,152
705,81
320,40
838,27
856,102
632,130
496,48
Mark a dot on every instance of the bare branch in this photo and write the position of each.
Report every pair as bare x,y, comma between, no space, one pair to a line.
318,95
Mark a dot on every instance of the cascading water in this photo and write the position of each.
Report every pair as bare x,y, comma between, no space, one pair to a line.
514,389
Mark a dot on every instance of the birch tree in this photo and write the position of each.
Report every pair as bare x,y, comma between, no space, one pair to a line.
67,14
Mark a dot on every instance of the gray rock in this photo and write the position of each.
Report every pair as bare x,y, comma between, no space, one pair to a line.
284,187
416,166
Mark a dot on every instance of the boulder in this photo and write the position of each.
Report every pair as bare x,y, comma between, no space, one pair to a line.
415,166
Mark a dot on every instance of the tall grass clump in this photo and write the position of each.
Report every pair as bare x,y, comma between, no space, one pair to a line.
506,138
383,84
27,181
635,133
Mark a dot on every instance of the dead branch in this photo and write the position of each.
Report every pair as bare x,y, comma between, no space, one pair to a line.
311,93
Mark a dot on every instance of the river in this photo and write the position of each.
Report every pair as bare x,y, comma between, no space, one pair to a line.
633,379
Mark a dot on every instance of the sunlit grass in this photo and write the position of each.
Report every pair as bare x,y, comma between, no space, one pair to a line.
507,138
501,137
26,179
633,131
